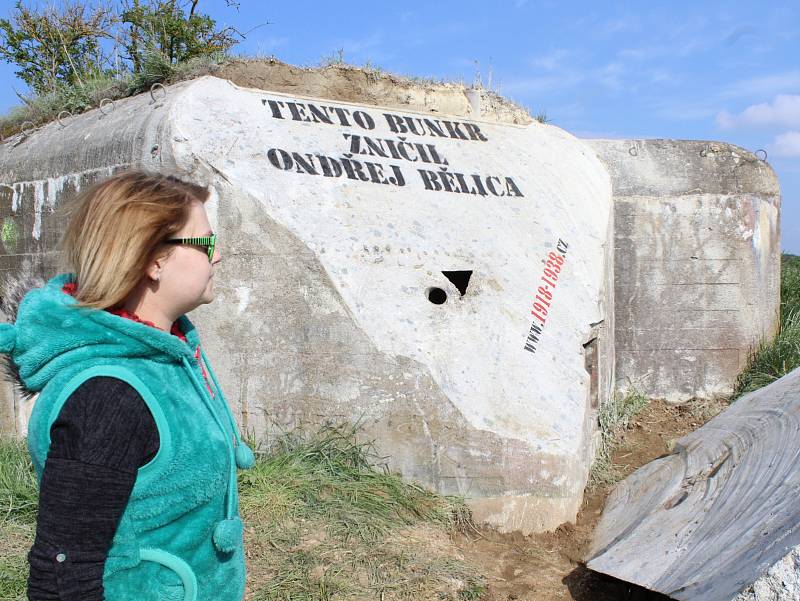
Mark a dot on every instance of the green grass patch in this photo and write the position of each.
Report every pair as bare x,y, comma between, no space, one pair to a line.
778,357
327,520
15,541
18,505
19,493
614,416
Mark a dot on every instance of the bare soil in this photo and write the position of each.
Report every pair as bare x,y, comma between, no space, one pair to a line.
365,85
550,566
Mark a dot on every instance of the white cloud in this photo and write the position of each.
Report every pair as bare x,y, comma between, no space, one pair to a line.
784,111
786,145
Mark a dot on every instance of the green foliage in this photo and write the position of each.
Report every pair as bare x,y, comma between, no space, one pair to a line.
55,46
790,284
778,357
153,68
166,32
59,49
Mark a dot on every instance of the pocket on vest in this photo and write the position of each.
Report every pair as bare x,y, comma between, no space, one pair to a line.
158,576
175,579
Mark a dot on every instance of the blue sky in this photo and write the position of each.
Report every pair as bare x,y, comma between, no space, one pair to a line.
724,71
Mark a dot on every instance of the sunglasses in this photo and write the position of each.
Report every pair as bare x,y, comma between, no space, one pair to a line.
207,242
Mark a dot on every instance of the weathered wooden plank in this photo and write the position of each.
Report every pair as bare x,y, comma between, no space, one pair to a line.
707,520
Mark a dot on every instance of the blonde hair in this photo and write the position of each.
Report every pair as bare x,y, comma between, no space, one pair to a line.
117,227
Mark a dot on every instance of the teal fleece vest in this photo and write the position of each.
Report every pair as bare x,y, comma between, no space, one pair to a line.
180,536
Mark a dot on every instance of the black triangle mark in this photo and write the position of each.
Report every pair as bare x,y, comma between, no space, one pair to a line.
460,279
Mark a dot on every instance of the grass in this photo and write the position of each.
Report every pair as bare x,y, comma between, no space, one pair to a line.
778,357
19,496
333,522
15,541
18,506
614,417
324,520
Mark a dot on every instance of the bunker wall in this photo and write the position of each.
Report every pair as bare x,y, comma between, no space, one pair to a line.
325,311
697,263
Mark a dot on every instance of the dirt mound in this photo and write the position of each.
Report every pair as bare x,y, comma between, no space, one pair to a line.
371,86
549,566
342,82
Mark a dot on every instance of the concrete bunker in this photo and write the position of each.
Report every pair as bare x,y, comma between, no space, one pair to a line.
697,263
337,222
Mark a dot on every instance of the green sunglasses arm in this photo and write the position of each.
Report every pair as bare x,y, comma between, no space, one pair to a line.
208,241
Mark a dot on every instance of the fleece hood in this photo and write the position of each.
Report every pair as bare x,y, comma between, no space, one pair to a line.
46,333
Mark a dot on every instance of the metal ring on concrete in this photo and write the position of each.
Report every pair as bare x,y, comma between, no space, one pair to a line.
26,132
104,103
58,117
154,87
633,151
758,156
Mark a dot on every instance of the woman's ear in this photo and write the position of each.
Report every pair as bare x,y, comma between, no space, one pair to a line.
154,269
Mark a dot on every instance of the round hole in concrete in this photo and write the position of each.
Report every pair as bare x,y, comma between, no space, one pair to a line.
436,295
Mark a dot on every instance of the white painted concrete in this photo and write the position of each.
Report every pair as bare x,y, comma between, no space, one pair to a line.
384,245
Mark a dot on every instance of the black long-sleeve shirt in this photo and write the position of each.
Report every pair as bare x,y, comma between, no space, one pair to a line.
103,434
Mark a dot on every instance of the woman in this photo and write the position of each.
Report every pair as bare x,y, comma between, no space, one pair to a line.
134,446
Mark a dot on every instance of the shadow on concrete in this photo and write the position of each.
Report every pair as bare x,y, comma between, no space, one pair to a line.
586,585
